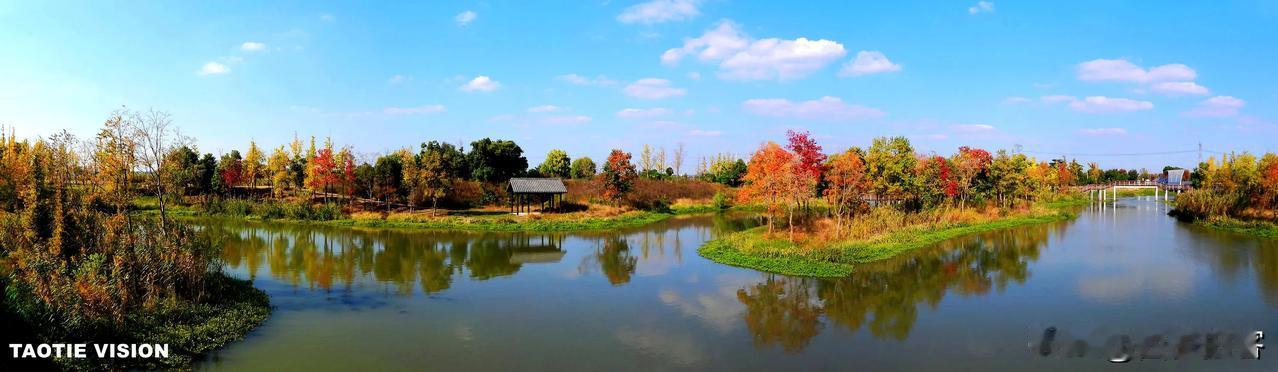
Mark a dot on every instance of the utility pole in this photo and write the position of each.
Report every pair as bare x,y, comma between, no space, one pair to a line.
1200,152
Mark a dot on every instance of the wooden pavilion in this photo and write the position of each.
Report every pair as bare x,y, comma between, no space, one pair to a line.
546,193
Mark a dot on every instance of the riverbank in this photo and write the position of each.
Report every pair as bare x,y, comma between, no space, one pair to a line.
755,250
1262,229
232,309
594,218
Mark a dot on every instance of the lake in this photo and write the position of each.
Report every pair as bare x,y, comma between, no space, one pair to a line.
642,299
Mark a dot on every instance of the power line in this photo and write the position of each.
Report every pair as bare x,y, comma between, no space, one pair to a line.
1111,154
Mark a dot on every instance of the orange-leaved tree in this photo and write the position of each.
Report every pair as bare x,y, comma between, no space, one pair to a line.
846,184
618,176
771,179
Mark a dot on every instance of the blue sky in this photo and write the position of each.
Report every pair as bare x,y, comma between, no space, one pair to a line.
1077,77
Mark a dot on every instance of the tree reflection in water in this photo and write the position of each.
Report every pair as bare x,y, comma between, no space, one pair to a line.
786,311
326,258
1231,255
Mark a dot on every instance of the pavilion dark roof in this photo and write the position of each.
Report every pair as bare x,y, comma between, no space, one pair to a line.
537,186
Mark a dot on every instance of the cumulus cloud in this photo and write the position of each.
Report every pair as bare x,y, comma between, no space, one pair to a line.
544,108
658,11
1217,107
1178,88
981,7
465,18
582,80
743,58
426,109
638,113
480,84
214,68
869,62
653,88
1102,104
1098,132
704,133
1123,70
1099,104
825,108
252,46
575,119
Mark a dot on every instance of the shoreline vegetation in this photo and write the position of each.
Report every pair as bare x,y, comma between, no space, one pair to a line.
752,249
1236,193
80,267
467,220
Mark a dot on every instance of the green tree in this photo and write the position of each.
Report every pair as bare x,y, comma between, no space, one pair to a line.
890,164
495,161
555,165
583,167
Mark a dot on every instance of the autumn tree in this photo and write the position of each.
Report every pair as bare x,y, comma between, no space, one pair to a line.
323,171
970,167
254,164
555,165
846,185
770,179
618,176
278,168
433,178
678,157
583,167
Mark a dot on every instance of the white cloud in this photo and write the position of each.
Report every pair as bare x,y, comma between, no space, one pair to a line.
825,108
1123,70
704,133
465,18
397,79
214,68
544,108
714,45
973,128
582,80
658,11
1102,104
653,88
1217,107
427,109
1097,132
742,58
252,46
981,7
694,75
1180,88
577,119
1016,100
868,62
637,113
480,84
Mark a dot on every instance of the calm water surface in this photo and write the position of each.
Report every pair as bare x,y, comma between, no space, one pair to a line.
642,299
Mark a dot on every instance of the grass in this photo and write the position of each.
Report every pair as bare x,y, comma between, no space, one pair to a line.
1261,229
753,249
506,222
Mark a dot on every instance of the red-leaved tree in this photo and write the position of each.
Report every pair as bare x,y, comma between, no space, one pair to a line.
618,176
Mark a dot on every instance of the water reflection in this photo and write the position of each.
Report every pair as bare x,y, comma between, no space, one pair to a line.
1233,256
335,258
787,312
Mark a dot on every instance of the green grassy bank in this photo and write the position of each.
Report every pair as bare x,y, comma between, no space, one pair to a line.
751,249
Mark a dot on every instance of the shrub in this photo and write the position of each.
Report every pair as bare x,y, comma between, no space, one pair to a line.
722,201
1203,203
